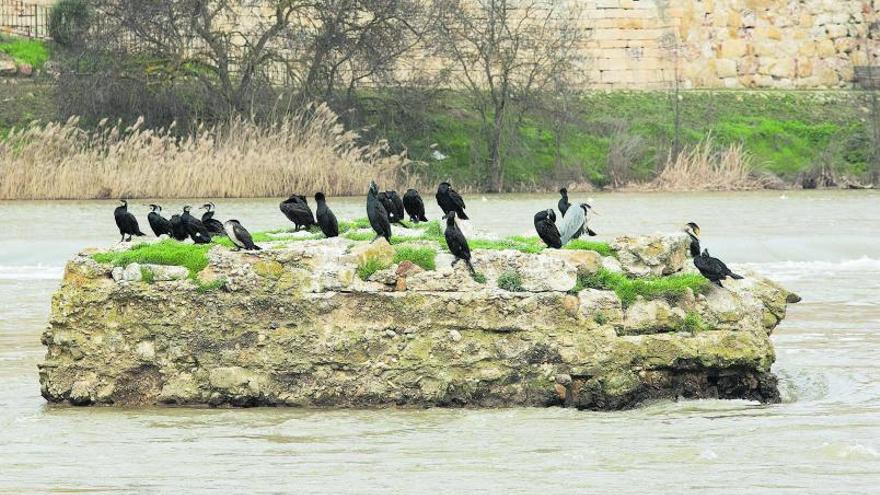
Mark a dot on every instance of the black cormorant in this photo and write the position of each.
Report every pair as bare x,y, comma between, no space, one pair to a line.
713,268
194,227
239,236
158,223
563,204
457,243
127,223
574,224
397,213
377,214
214,226
326,218
693,231
545,224
178,229
414,206
450,200
296,209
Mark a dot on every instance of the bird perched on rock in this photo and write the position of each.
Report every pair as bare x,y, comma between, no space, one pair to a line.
326,218
240,236
545,224
377,215
393,205
575,223
194,227
178,229
693,231
450,200
296,209
158,223
127,223
457,243
414,206
214,226
563,204
713,268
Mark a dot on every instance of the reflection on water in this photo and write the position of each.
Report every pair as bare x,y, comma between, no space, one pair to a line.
823,438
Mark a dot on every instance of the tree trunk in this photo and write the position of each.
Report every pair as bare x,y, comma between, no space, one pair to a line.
496,167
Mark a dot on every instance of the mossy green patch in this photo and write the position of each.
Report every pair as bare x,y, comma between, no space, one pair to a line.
510,281
628,289
194,257
147,275
205,287
422,256
367,268
694,323
602,248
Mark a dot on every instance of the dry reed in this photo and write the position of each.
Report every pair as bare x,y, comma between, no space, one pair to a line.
307,152
704,167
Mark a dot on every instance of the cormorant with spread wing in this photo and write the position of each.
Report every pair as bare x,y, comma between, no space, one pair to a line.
326,218
194,227
457,243
296,209
414,206
214,226
377,215
449,200
545,224
240,236
158,223
127,223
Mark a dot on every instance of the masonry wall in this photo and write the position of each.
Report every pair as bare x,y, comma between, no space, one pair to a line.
727,43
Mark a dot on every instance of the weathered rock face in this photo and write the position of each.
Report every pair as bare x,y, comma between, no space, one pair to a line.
294,325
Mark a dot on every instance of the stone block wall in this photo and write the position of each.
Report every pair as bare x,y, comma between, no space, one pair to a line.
786,44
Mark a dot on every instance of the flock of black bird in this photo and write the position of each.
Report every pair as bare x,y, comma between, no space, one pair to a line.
385,208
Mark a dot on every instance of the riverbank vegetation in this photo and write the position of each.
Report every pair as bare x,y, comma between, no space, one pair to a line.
154,107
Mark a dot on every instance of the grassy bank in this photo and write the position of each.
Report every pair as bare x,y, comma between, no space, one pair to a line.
626,136
610,139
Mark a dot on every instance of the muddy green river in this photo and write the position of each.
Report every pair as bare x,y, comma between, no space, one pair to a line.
824,438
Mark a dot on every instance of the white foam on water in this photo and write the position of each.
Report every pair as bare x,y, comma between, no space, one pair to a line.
30,272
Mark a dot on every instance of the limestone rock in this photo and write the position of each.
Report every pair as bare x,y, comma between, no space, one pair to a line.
164,273
378,250
584,261
660,254
296,326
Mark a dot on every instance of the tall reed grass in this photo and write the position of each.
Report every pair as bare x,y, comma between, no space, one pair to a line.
309,151
706,167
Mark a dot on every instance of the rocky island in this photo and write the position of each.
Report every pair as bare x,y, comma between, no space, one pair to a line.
347,323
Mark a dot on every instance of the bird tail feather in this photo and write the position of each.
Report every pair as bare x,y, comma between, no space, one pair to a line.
735,276
462,215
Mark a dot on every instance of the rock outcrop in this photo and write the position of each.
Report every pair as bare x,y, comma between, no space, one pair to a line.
295,325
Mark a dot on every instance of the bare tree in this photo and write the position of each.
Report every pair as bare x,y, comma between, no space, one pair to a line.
506,53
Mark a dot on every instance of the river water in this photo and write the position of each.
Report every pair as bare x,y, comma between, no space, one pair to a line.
824,438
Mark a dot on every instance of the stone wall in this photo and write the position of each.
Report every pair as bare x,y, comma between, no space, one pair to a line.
727,43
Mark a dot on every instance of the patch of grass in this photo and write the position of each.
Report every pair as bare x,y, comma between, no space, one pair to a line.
602,248
355,224
517,243
366,269
359,235
194,257
600,318
147,275
694,323
267,236
510,281
25,51
204,288
423,256
628,289
479,278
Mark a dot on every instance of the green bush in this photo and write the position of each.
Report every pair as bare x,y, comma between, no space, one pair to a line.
204,288
69,21
147,275
694,323
510,281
